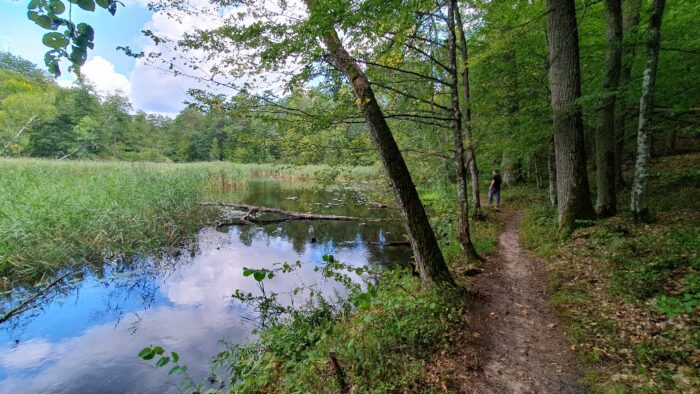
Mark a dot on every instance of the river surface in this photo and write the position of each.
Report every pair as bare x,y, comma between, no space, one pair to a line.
84,336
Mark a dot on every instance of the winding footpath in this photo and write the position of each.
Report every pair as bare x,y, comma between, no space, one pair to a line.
517,342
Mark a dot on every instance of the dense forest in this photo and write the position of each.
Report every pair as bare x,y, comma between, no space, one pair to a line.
508,103
43,119
587,111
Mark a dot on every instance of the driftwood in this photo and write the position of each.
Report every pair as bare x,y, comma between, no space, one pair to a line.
393,243
252,210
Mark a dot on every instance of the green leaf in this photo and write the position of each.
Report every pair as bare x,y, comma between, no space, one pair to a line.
78,55
158,350
175,369
247,272
176,357
41,20
51,62
87,5
145,351
102,3
259,275
57,7
86,30
55,40
162,362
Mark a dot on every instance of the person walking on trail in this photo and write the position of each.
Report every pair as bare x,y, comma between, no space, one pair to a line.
495,189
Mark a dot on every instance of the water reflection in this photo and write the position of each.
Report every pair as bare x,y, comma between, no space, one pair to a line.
85,339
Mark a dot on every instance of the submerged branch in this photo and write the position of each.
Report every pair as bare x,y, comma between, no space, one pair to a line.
25,304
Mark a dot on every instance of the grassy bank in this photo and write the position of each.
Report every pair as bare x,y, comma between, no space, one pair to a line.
55,214
631,293
378,339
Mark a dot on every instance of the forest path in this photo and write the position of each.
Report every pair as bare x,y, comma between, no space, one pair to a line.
515,341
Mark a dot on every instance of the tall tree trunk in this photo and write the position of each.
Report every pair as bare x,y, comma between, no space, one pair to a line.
471,154
671,141
511,171
429,260
459,151
630,30
551,158
573,195
552,169
639,203
606,202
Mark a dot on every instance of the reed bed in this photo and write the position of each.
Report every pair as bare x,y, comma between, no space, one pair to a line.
56,214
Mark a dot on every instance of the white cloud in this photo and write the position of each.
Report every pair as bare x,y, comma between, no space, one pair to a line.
157,90
101,72
28,355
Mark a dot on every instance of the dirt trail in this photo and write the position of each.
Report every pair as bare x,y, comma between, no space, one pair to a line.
517,342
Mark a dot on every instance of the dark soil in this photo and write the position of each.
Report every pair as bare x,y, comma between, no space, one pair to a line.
512,340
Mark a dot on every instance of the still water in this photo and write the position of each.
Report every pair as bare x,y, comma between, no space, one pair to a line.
84,336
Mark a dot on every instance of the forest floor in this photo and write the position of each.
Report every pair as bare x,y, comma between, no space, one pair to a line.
512,340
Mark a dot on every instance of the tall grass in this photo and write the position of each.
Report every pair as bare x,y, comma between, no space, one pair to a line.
55,214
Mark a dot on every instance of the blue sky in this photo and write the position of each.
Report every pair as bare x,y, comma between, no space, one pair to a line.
149,89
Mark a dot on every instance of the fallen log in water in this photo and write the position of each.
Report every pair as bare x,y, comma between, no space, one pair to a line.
392,243
253,210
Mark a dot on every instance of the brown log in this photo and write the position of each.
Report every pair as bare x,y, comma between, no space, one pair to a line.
252,210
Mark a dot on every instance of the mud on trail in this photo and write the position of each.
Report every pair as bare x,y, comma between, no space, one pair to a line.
512,341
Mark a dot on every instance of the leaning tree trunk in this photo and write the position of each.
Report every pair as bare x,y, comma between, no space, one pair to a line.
429,260
463,219
630,30
467,115
639,203
606,202
573,195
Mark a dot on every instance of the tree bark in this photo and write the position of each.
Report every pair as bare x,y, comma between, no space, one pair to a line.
429,260
251,212
552,169
458,146
630,30
606,202
639,203
551,157
573,194
511,170
467,115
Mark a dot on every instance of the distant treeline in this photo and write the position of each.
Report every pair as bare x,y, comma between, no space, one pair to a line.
39,118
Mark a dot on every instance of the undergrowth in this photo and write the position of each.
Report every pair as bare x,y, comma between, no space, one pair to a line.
441,203
377,339
631,292
55,214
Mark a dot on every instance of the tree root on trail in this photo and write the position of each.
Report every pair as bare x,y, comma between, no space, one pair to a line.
251,211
